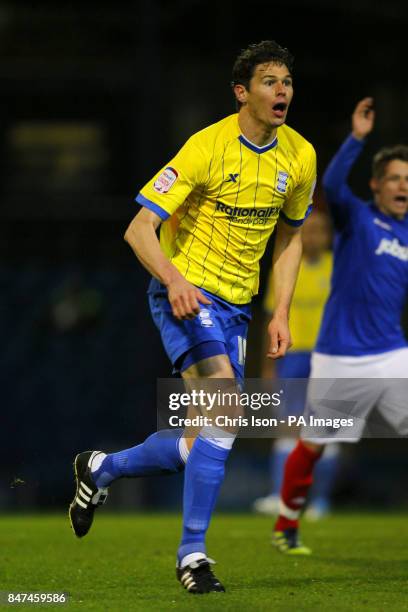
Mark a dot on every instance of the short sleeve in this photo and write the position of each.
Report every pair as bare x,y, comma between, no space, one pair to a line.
170,187
299,204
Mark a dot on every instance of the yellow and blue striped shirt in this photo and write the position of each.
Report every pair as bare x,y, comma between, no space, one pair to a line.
220,198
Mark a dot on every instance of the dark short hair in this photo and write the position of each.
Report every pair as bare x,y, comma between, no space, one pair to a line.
385,156
260,53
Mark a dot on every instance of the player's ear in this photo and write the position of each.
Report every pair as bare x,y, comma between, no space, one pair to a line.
374,186
240,92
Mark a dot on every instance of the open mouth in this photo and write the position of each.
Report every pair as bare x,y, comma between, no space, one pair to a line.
401,198
279,108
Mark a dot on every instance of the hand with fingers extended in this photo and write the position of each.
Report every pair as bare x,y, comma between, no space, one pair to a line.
185,298
362,119
279,337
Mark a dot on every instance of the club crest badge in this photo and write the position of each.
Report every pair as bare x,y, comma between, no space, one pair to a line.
282,182
205,318
165,180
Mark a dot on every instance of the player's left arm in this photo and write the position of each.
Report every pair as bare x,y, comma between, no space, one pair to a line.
268,366
288,252
286,261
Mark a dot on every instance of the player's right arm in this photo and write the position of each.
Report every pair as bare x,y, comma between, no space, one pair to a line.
362,119
338,193
141,236
160,198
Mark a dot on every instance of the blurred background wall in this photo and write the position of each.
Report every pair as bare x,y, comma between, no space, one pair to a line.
93,100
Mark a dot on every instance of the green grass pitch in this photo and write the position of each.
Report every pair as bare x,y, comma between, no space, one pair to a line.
126,562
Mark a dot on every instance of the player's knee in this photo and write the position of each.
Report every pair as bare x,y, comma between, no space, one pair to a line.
312,446
221,367
218,366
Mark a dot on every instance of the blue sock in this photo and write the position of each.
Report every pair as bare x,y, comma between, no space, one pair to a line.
323,481
158,454
203,477
276,469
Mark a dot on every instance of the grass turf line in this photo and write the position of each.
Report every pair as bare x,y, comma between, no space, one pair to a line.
127,562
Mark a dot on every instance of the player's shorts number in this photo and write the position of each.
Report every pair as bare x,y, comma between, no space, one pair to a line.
241,350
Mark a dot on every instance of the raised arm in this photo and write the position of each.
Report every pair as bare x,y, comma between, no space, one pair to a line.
141,236
338,193
362,119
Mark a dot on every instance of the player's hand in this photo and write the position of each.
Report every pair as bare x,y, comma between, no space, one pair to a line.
362,119
185,298
279,337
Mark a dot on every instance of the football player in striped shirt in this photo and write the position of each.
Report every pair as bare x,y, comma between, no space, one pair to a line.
216,202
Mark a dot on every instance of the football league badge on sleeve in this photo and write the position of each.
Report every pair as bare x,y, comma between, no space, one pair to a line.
165,180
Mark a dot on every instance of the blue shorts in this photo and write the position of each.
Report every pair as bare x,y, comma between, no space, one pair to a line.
220,328
294,365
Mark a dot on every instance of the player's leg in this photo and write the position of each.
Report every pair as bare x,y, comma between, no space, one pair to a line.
164,452
161,453
280,450
297,480
333,392
293,365
203,477
392,369
325,474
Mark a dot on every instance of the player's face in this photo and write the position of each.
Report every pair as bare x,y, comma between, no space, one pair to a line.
391,190
270,93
